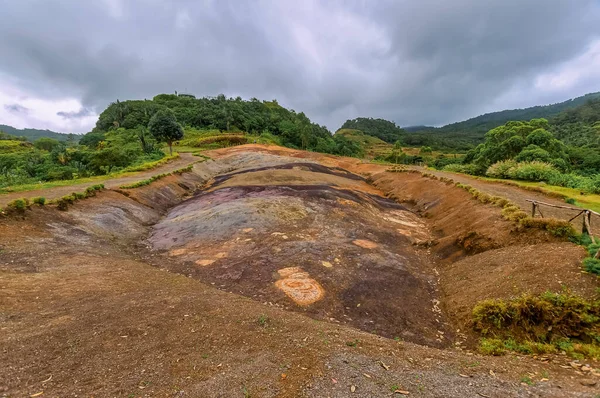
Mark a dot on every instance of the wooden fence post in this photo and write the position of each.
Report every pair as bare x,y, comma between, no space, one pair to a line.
587,220
533,206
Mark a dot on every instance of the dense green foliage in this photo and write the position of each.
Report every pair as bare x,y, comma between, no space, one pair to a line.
465,135
47,159
529,151
380,128
540,324
164,127
521,141
228,115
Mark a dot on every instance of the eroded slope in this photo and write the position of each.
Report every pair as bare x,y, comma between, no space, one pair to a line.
310,238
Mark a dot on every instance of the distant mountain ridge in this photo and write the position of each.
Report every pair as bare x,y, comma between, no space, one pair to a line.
482,124
34,134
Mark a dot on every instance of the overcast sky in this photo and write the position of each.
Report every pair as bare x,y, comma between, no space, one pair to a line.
412,61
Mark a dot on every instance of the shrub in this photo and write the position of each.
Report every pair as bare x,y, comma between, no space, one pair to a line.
570,201
461,168
62,204
559,228
501,169
532,171
90,191
39,200
70,199
492,347
592,265
19,204
513,212
531,323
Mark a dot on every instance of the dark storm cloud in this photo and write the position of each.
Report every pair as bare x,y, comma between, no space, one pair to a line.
411,61
83,112
16,108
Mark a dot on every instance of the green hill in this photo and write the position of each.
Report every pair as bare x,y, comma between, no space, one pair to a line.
380,128
227,115
372,146
467,134
579,127
34,134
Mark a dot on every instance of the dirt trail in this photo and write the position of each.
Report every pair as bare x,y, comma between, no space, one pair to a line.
235,291
185,159
518,195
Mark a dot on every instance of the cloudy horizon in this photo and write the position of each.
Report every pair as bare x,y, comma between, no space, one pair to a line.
427,62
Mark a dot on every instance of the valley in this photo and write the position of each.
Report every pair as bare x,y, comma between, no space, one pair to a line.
267,271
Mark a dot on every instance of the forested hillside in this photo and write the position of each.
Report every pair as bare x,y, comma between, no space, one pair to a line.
227,115
34,134
579,126
132,134
380,128
467,134
529,151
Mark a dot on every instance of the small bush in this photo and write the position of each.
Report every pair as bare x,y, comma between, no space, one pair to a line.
39,200
492,347
62,204
70,199
559,228
19,204
513,212
532,171
546,318
89,192
570,201
501,169
592,265
461,168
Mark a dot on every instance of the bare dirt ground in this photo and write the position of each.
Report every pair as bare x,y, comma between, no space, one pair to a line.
236,291
518,196
185,159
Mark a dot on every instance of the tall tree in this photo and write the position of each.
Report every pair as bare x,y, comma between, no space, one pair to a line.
164,127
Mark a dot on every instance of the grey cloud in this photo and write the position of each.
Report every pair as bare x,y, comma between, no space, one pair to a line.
83,112
415,62
16,108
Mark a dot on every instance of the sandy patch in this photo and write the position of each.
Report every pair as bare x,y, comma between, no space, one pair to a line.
365,244
177,252
205,262
298,286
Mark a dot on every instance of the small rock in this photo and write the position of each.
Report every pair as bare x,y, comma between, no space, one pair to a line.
575,365
352,388
585,369
588,382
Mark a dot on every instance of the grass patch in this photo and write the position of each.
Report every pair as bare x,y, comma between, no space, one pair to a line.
39,200
64,202
19,205
263,320
129,171
541,324
150,180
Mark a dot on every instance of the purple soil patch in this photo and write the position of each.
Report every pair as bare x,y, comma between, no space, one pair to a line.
358,248
314,167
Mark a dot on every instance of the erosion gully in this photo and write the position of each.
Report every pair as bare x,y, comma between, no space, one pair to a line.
309,238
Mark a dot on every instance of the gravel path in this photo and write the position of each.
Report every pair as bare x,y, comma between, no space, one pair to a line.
519,196
184,160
